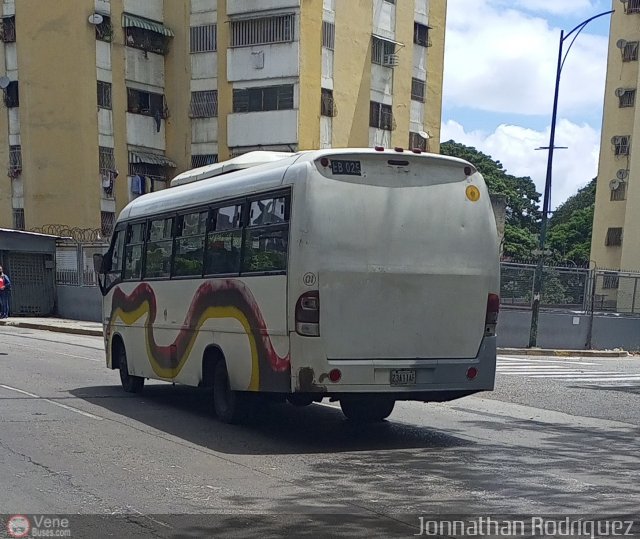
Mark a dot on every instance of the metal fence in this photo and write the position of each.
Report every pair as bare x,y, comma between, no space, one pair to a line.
571,288
74,262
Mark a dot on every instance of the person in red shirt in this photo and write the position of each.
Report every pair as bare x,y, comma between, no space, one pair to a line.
5,288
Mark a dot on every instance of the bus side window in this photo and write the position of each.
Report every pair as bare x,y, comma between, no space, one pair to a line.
224,241
159,249
189,246
133,252
267,236
115,253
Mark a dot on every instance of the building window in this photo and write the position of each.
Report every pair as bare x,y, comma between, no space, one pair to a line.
627,98
383,51
328,35
328,106
107,222
381,116
147,103
106,159
104,30
417,90
8,29
202,160
620,192
621,145
416,142
630,51
107,166
15,161
204,104
421,34
631,6
614,237
262,31
18,218
104,95
610,280
154,177
390,1
147,35
11,97
262,99
203,38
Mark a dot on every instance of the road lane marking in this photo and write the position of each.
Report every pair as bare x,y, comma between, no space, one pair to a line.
505,360
52,352
591,378
66,407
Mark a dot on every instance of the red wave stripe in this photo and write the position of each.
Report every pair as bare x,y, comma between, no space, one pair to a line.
214,293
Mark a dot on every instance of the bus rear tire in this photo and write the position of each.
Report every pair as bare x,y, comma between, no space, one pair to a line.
230,406
130,383
367,409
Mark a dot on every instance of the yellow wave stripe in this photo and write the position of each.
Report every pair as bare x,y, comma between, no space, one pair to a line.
131,317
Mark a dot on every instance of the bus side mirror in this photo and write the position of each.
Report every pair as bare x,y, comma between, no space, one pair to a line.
98,260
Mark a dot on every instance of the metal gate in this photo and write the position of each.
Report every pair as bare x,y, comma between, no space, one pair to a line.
32,280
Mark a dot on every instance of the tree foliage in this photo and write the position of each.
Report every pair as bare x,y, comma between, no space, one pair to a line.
570,227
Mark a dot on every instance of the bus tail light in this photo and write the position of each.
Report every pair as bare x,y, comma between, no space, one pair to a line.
493,308
308,314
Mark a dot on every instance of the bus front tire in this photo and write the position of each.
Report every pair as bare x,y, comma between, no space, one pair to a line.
367,409
130,383
230,406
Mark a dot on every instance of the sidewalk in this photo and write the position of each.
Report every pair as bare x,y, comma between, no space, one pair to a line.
81,327
61,325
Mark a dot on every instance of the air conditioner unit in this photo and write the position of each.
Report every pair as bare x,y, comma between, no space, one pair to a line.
390,60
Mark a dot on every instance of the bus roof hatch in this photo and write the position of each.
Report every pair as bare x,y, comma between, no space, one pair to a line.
247,160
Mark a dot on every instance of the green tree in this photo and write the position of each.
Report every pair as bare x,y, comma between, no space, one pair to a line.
522,199
570,228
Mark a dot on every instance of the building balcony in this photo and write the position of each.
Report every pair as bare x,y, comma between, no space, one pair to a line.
262,128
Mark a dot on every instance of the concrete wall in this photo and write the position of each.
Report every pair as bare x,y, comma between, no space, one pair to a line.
79,303
568,331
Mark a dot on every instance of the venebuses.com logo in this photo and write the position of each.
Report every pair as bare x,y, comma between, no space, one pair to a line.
18,526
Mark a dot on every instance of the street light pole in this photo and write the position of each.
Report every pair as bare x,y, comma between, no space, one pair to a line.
537,280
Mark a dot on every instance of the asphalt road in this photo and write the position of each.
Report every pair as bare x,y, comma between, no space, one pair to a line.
558,436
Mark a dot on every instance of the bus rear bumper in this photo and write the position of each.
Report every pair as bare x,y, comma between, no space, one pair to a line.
436,380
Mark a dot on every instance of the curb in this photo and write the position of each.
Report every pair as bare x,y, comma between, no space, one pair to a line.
562,353
57,329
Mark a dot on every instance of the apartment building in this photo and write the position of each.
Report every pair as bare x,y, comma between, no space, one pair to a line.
616,240
108,99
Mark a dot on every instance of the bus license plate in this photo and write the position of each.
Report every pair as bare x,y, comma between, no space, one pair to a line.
346,168
403,377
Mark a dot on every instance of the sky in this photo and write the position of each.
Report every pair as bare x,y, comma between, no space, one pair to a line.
499,77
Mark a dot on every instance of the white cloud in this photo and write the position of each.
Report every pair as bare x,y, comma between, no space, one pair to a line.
514,147
500,59
563,7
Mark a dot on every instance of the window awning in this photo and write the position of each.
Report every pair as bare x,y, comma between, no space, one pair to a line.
150,159
146,24
384,38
